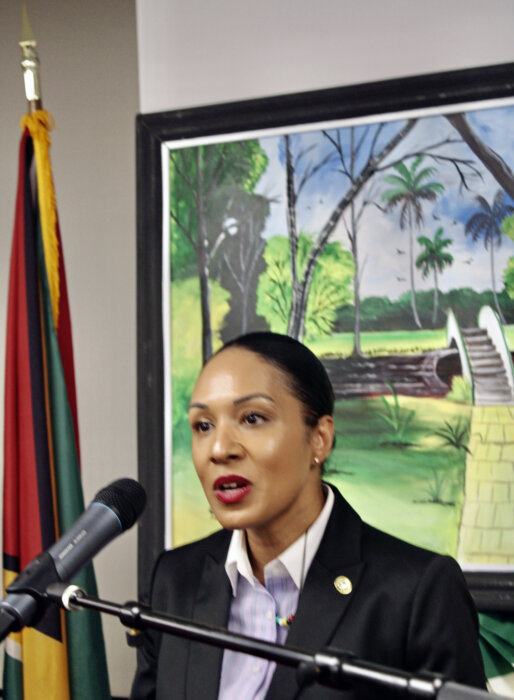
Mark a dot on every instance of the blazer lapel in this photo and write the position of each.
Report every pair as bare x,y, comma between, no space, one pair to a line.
322,606
211,607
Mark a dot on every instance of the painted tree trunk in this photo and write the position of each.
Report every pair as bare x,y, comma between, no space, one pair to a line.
493,281
412,281
297,317
357,351
436,298
203,267
492,161
293,236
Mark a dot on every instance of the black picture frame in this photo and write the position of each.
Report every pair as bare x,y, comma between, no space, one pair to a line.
492,591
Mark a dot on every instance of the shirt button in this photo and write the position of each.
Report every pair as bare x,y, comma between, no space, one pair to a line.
269,614
256,668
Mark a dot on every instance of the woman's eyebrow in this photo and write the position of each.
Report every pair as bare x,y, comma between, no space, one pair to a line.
256,395
197,404
241,399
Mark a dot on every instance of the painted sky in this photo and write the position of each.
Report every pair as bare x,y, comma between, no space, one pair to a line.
383,246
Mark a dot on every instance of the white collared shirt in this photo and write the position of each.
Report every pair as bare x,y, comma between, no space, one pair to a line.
254,606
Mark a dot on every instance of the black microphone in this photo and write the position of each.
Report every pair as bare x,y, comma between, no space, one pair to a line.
113,510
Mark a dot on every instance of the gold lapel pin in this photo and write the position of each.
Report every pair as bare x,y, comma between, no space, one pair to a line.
343,585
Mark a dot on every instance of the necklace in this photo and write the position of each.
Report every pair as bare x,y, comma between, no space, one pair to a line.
286,621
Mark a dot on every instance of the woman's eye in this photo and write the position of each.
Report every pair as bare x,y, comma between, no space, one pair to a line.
201,426
253,418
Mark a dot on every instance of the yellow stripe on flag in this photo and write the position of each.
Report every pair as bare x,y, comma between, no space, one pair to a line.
45,666
44,659
39,124
8,578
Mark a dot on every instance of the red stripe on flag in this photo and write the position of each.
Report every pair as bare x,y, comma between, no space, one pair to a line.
20,480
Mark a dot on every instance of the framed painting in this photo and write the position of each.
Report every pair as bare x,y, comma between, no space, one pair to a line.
375,223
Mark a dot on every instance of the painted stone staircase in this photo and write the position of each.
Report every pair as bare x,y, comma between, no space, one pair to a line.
491,383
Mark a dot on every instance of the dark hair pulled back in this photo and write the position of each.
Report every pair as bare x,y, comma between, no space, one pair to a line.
305,375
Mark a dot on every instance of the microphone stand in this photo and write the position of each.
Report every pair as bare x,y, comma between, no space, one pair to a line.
331,667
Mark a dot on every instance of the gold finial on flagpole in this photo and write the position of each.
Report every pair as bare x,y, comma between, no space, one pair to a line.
30,63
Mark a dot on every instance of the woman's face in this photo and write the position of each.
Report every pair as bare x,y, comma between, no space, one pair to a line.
252,450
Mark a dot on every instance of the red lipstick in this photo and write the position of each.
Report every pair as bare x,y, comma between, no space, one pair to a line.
231,488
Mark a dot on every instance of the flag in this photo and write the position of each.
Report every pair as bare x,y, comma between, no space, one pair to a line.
497,646
63,656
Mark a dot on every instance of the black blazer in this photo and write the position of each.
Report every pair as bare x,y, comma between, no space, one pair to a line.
409,609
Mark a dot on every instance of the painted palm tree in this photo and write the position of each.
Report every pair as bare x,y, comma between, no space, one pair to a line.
486,224
408,192
434,259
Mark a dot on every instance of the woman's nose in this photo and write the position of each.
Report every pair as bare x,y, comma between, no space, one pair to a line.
225,446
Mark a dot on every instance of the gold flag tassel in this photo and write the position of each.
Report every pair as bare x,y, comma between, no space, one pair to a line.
39,124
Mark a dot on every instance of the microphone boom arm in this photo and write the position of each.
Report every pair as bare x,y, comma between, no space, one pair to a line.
332,667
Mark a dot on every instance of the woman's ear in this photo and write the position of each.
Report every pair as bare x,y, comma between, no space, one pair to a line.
323,437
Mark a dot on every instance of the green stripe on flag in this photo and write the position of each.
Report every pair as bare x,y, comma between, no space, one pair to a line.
13,677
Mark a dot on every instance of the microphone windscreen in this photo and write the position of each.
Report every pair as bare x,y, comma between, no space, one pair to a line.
126,497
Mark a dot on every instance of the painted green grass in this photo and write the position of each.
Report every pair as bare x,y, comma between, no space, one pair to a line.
192,518
391,486
509,335
375,343
400,342
413,491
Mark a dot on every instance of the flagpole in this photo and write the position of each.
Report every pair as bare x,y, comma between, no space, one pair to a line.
30,63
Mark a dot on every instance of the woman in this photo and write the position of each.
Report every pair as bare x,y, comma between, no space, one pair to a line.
294,561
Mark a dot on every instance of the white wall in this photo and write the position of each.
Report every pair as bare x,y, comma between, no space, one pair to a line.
192,52
202,51
89,73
